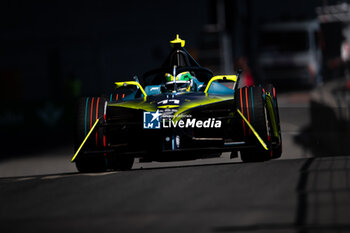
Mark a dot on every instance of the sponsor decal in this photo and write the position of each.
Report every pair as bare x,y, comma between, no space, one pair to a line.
171,101
154,88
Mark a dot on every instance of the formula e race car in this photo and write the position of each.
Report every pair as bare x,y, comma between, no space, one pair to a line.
180,111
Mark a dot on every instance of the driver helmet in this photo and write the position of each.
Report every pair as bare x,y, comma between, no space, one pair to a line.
184,82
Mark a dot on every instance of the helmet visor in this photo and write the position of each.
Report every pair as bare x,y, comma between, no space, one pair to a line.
180,85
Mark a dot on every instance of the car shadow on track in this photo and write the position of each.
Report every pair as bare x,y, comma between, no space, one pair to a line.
186,165
111,172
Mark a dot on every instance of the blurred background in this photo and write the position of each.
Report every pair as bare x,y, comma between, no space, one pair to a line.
53,52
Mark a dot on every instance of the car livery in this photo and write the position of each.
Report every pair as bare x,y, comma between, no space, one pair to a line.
180,111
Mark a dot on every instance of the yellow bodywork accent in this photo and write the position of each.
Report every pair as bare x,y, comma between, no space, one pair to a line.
188,88
177,40
197,103
232,78
169,106
139,105
131,83
253,130
87,136
269,106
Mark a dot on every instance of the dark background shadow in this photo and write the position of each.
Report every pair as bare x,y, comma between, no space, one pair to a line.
53,52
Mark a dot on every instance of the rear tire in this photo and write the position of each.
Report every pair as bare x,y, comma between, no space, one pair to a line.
88,110
118,95
250,101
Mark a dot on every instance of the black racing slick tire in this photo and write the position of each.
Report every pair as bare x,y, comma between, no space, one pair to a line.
121,163
251,103
91,164
88,110
276,141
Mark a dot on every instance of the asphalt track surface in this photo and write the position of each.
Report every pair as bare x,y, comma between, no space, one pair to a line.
297,195
294,194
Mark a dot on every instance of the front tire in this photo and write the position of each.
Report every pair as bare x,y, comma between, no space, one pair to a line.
121,163
277,141
88,110
250,101
93,164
